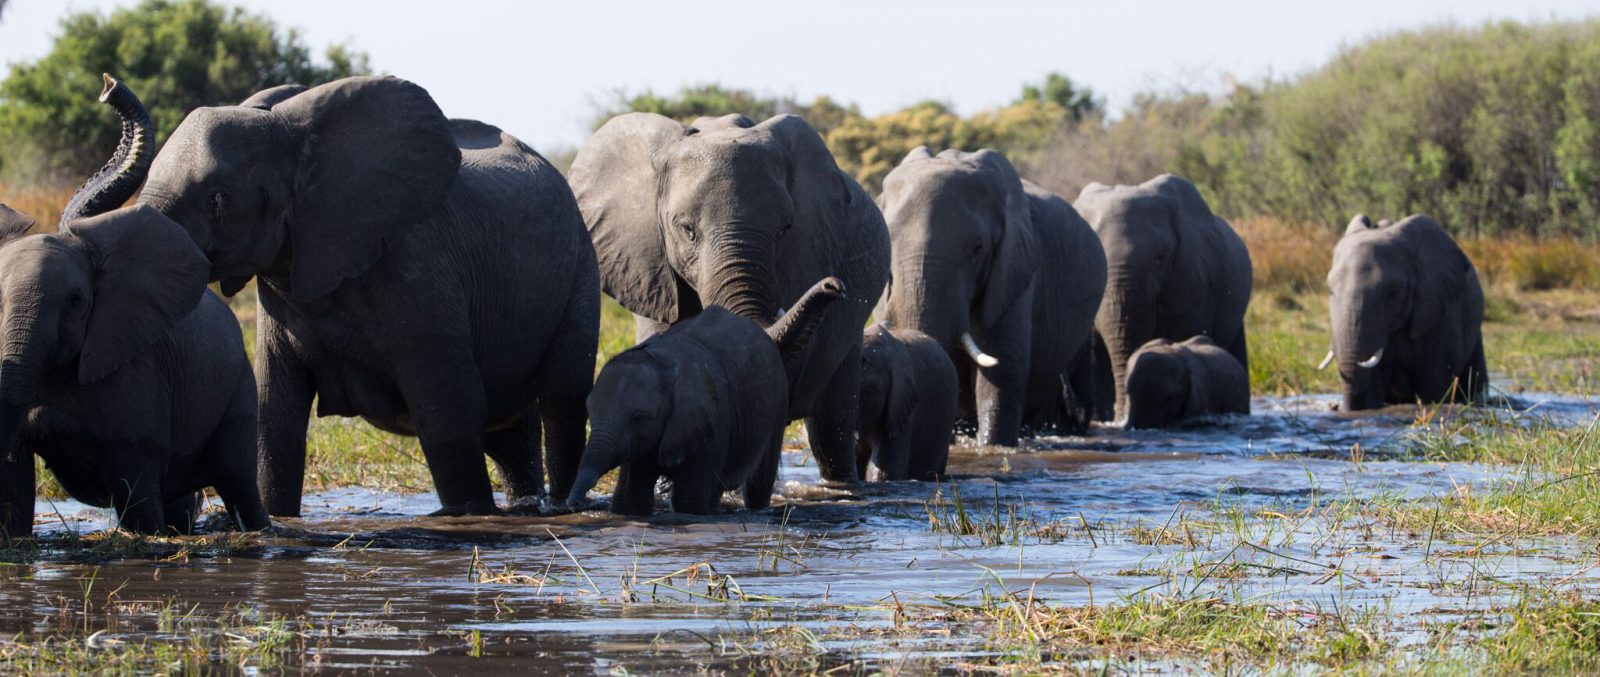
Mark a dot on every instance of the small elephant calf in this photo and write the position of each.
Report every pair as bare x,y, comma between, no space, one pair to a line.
909,392
704,403
122,372
1169,382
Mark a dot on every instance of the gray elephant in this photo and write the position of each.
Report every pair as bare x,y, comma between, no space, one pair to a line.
909,393
703,403
1407,316
746,216
118,368
1176,271
1006,277
1171,382
430,275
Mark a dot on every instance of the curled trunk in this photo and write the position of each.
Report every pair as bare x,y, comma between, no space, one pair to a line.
794,330
120,177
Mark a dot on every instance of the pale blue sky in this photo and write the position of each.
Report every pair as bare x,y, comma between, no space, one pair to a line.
537,69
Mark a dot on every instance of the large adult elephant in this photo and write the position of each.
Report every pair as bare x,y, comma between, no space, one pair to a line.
1406,311
1006,276
1176,270
430,275
745,216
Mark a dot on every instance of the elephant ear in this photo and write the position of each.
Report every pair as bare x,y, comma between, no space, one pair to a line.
13,224
694,424
706,123
267,98
377,158
148,275
1014,259
1441,273
1358,224
614,178
818,188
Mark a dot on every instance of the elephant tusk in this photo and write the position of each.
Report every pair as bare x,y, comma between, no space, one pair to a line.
1326,361
1371,361
983,359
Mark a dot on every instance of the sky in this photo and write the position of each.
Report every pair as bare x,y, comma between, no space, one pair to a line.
542,70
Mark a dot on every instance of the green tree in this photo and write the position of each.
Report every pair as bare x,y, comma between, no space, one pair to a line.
1059,89
178,55
714,100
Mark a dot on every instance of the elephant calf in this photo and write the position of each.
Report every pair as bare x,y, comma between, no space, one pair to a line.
703,403
1407,315
1169,382
909,392
123,373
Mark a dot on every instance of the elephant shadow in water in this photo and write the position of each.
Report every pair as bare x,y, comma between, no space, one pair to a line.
704,404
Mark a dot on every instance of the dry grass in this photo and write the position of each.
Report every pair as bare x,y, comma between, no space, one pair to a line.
43,203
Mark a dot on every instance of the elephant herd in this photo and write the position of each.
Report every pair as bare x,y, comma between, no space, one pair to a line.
439,278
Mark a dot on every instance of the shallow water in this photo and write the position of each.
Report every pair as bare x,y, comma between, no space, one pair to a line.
385,587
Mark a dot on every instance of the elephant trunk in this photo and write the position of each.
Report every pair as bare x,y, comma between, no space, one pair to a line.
925,296
1358,345
740,277
600,456
120,177
1126,321
24,349
794,330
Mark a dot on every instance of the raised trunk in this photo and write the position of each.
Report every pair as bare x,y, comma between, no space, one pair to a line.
122,174
739,277
794,330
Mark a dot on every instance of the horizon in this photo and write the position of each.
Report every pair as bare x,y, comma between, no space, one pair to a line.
1006,47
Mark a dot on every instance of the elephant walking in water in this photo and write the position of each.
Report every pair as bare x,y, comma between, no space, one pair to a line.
1176,270
1006,276
1407,316
745,216
430,275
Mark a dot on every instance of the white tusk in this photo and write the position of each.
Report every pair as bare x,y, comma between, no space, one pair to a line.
983,359
1326,361
1371,361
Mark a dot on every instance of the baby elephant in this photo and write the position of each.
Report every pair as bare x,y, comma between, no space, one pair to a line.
1169,382
122,372
704,403
908,404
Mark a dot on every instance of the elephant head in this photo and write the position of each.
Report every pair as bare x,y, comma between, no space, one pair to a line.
1154,271
90,298
305,184
723,212
1389,283
888,383
962,241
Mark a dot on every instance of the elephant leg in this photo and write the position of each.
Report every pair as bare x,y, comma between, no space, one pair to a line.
758,488
894,457
1477,375
831,427
635,493
135,493
181,513
515,450
232,460
1078,394
696,493
1240,351
567,374
1102,385
285,390
16,493
444,395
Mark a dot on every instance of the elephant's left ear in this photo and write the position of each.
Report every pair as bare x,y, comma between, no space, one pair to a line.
696,423
1014,259
148,275
13,224
1443,274
377,157
815,182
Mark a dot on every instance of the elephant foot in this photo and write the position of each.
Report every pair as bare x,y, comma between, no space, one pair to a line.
528,505
473,508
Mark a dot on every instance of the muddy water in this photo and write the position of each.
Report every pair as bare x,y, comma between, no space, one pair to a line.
366,581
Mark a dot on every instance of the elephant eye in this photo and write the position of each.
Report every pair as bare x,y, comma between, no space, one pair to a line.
216,205
785,229
77,301
688,229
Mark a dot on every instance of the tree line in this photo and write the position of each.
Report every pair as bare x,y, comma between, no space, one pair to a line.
1491,129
